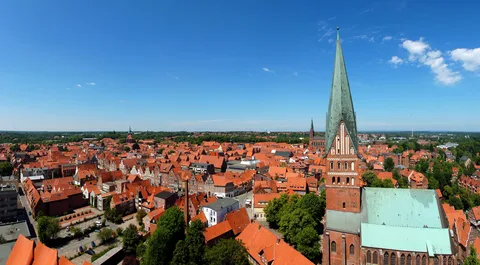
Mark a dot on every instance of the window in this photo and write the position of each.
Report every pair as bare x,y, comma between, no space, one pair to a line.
409,259
353,166
338,165
450,261
369,257
417,260
333,180
402,259
343,205
338,180
352,250
444,260
331,165
375,257
348,180
385,258
334,247
345,166
353,181
424,260
435,261
393,259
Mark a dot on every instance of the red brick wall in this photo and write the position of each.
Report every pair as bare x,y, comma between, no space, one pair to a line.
343,241
336,197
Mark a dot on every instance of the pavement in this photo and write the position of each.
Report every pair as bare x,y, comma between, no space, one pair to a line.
86,257
23,201
241,198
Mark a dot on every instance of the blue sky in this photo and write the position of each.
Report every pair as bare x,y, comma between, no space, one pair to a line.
236,65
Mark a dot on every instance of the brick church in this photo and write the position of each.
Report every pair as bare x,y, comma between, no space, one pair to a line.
373,225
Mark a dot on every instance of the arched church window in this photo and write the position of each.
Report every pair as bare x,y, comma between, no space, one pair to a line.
352,250
402,259
444,259
343,205
334,247
435,261
385,258
331,165
424,260
375,257
338,165
369,257
333,180
338,180
409,259
345,165
417,260
353,166
393,259
450,261
348,180
353,181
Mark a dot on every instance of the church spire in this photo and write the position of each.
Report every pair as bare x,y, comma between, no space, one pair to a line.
340,107
312,131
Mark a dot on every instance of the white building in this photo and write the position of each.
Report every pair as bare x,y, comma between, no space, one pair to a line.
215,212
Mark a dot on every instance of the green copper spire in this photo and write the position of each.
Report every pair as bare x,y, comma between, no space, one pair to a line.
340,107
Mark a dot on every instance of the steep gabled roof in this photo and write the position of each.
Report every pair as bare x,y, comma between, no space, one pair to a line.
340,107
22,252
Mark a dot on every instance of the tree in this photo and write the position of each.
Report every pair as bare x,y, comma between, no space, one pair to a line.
135,146
6,169
227,252
273,209
105,234
403,182
471,259
130,240
195,243
47,228
312,204
15,148
388,164
369,178
170,230
140,214
295,221
307,242
126,148
455,202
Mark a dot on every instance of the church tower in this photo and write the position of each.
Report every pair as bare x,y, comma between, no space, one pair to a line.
312,131
341,143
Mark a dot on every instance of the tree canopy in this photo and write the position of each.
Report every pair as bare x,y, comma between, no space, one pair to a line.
227,252
6,169
388,164
47,228
191,251
130,239
471,259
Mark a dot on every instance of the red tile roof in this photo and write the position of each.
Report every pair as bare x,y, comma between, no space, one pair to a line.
476,215
217,230
261,200
238,220
42,255
259,240
22,252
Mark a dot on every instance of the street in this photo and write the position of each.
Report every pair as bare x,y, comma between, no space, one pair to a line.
23,201
241,198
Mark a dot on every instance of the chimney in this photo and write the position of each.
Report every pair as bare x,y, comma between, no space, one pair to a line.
185,210
259,227
278,240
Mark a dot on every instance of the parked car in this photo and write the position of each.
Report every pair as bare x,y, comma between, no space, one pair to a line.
80,248
93,244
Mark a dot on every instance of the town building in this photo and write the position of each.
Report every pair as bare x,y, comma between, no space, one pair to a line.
316,142
8,203
373,225
216,211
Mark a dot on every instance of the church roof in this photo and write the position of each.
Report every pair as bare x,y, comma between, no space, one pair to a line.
340,107
397,219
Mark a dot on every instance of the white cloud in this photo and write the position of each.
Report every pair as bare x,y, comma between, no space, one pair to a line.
324,30
295,74
372,39
91,84
386,38
78,85
396,60
331,40
268,70
421,52
470,58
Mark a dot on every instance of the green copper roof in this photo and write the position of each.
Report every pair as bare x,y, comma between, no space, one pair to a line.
340,107
402,207
433,241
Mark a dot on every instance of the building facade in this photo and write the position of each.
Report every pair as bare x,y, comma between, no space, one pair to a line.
8,203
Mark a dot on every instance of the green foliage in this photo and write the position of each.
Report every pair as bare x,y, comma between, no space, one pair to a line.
471,259
105,235
307,242
135,146
126,148
170,230
227,252
141,248
140,214
130,239
112,216
456,202
292,223
6,169
388,164
273,209
47,228
77,232
2,239
371,179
